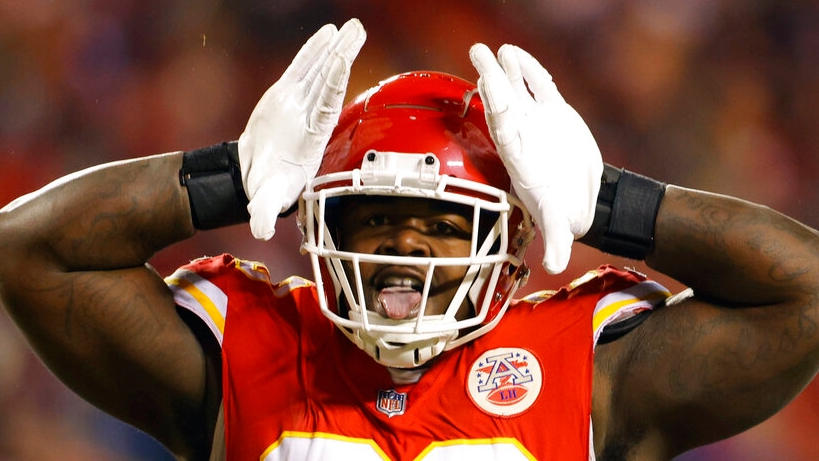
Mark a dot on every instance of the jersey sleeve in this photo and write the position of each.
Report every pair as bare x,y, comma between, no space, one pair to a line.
623,297
203,298
202,287
620,306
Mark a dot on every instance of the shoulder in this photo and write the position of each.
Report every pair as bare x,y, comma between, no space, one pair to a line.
601,281
228,270
617,299
223,265
208,286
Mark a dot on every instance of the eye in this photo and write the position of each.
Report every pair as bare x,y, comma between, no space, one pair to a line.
376,220
450,229
444,228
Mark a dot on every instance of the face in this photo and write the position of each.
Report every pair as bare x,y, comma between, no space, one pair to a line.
407,227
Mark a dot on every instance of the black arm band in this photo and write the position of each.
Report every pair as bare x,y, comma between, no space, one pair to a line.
627,207
214,182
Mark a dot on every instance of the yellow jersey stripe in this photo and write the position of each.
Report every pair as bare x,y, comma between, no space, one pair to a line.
625,303
201,297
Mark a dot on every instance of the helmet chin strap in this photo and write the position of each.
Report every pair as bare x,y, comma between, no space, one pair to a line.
398,350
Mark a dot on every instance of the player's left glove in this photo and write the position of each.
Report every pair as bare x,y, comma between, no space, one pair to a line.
548,150
284,140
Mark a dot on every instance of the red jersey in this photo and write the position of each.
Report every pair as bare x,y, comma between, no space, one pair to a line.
294,387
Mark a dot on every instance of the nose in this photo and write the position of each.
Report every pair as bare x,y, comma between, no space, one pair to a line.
406,239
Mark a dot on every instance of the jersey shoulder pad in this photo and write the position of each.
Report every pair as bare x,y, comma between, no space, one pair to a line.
227,265
621,298
627,298
202,286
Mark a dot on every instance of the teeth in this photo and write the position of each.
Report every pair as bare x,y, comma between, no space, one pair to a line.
403,282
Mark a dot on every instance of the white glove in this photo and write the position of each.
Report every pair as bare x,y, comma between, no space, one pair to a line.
548,150
285,137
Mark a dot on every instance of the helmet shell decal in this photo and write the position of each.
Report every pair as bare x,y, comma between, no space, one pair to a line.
505,381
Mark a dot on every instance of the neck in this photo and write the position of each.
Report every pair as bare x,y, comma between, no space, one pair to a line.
402,376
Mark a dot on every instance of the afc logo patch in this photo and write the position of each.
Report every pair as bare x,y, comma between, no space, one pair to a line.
391,403
505,381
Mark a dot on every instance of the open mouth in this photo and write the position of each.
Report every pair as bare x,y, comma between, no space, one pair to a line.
398,296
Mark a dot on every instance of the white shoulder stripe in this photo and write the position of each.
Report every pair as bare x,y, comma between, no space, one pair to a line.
294,282
623,304
201,297
253,270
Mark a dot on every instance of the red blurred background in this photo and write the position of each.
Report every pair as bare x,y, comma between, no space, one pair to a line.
711,94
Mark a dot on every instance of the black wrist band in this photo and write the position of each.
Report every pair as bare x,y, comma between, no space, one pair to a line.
214,182
624,217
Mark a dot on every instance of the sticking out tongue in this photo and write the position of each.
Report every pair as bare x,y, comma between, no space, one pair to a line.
399,302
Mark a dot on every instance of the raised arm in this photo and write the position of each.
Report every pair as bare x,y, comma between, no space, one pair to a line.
74,273
742,347
707,366
74,278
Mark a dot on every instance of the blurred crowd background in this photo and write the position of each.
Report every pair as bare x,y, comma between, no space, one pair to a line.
712,94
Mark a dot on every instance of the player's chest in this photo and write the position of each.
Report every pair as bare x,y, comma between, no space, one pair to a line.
488,401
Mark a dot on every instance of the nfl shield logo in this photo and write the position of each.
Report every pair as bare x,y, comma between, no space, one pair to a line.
391,403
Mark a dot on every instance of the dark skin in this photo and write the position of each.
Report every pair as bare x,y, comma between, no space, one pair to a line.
409,227
74,278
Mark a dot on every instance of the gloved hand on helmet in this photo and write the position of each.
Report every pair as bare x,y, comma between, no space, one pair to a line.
549,152
285,137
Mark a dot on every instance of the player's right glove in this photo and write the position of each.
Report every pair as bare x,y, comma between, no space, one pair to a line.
285,137
549,152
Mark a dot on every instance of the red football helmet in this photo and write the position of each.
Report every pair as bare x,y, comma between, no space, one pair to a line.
421,135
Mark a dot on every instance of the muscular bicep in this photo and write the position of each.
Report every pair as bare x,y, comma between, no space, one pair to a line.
115,338
738,350
74,277
695,372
